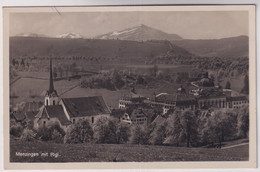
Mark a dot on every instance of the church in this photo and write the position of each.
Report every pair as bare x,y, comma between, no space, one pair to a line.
67,111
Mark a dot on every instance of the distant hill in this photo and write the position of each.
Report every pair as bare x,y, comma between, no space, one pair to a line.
31,35
139,33
122,50
226,47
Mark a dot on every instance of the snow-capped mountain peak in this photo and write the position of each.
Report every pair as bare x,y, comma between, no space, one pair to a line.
139,33
69,35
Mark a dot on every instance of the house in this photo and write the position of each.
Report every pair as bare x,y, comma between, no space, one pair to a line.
25,111
121,115
67,111
143,116
138,116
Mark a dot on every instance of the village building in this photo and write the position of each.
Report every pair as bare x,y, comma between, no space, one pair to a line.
25,112
130,99
67,111
121,115
186,101
237,102
142,116
199,98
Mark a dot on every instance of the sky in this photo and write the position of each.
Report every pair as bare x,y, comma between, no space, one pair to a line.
187,24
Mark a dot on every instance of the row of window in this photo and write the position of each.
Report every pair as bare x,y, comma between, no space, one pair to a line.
124,103
236,103
137,120
92,120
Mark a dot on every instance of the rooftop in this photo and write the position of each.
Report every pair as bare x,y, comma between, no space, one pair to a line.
56,111
86,106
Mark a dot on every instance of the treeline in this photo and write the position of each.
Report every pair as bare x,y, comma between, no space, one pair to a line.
186,128
224,66
114,80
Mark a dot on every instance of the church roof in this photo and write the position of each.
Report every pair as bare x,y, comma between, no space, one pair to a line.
31,114
56,111
85,106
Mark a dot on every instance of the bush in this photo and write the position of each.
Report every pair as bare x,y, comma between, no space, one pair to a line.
160,134
142,134
81,132
16,130
52,133
110,130
243,122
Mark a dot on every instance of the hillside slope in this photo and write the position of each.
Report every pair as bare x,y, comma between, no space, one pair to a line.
226,47
122,50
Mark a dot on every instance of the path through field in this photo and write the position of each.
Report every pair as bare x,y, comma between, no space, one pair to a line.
227,147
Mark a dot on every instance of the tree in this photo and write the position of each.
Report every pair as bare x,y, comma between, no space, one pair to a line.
228,85
160,134
16,130
110,130
13,62
81,132
100,130
139,135
117,80
189,127
243,122
176,130
122,133
220,125
51,133
143,134
245,89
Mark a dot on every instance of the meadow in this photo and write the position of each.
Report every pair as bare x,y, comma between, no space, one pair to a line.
121,153
32,86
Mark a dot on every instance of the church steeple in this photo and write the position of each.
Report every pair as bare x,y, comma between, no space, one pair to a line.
51,97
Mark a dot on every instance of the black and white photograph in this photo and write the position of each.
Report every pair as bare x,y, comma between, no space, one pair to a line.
130,84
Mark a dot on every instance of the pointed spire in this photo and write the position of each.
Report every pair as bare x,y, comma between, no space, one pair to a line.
51,86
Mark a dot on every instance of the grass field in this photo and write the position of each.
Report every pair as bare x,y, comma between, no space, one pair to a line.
25,87
121,153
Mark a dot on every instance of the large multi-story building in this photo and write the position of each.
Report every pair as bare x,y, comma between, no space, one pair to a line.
200,98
